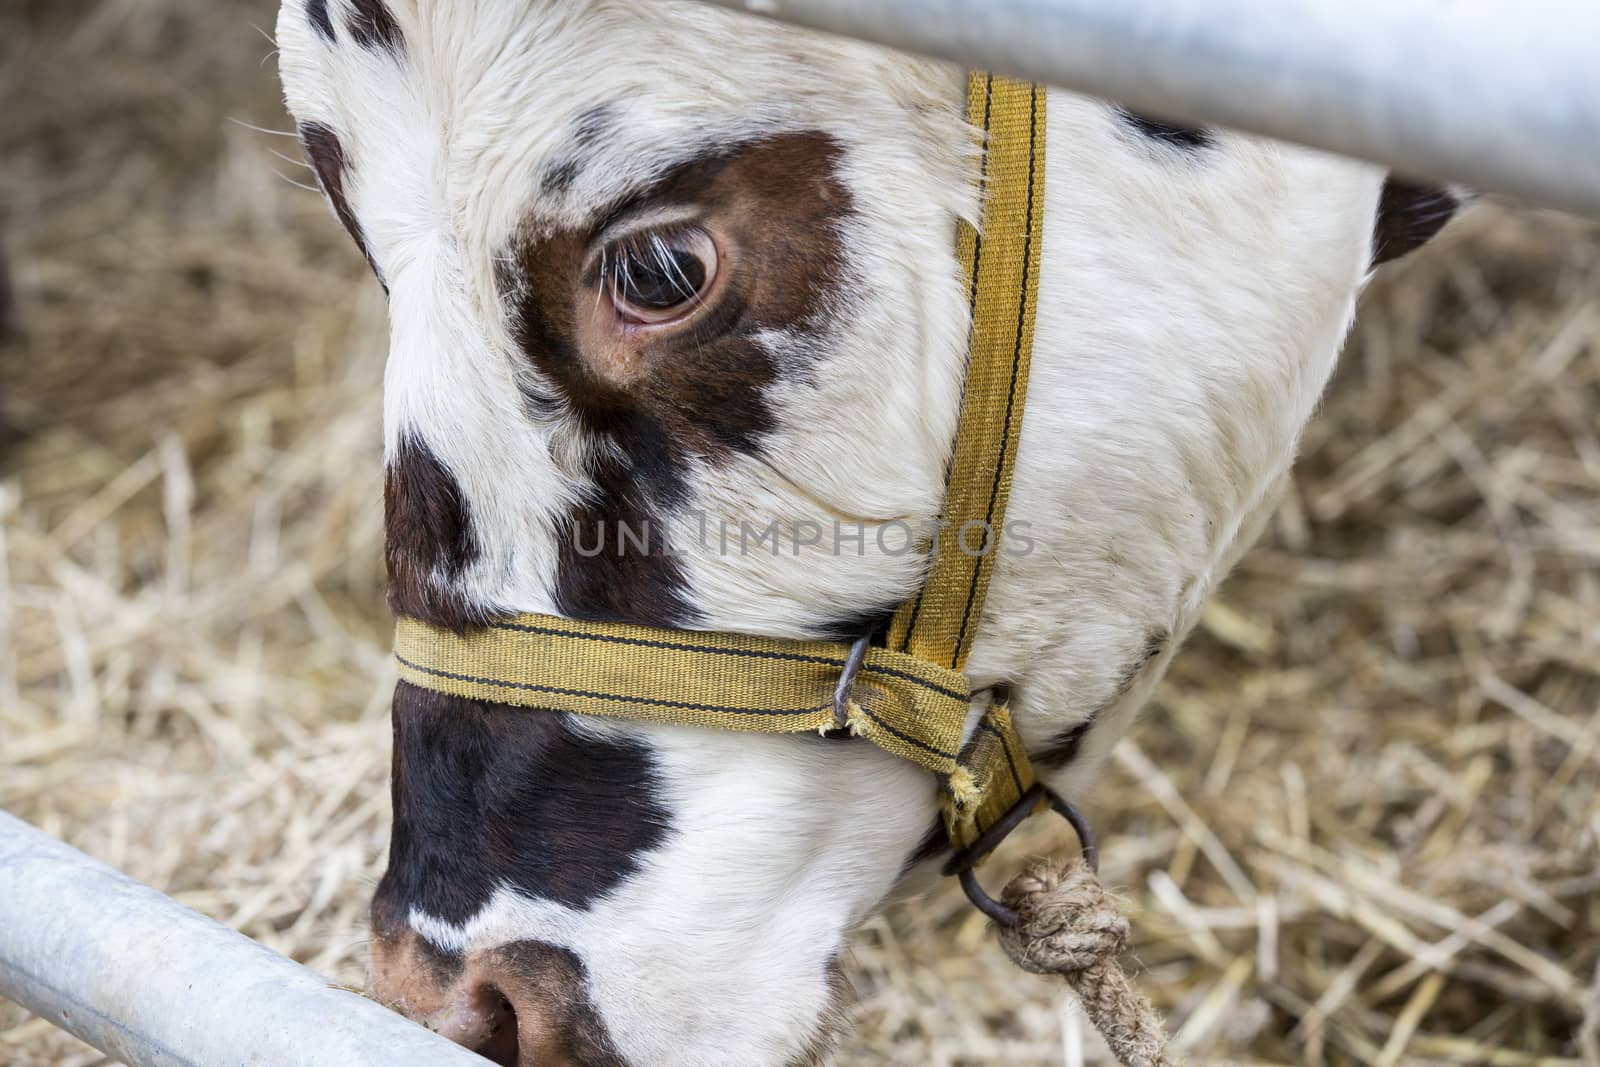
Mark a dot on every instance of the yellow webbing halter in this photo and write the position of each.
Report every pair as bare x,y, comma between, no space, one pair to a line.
910,698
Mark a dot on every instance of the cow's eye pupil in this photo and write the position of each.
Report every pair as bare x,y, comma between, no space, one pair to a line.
664,280
659,277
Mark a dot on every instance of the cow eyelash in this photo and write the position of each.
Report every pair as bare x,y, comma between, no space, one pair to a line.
656,276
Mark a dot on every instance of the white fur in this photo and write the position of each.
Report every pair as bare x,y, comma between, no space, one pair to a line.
1191,308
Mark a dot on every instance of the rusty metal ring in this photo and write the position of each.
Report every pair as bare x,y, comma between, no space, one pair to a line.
964,863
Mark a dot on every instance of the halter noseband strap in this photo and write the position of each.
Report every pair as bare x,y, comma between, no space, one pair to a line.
910,698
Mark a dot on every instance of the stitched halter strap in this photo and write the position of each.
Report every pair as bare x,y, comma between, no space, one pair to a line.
910,698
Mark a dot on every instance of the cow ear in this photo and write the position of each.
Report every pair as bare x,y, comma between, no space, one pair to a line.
1409,214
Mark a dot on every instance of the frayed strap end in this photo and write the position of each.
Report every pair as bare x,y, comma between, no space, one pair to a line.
964,791
858,722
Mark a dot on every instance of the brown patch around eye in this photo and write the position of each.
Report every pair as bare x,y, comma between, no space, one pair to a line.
775,208
694,392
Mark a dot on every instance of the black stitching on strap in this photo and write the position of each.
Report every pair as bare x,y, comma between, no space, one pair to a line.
905,736
1016,362
793,657
923,682
988,727
644,642
972,320
618,697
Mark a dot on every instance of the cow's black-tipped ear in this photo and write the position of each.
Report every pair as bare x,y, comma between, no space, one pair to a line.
1409,215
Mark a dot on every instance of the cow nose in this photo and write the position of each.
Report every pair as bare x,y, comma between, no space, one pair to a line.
518,1004
482,1018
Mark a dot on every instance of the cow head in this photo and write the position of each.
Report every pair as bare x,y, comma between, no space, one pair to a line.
677,338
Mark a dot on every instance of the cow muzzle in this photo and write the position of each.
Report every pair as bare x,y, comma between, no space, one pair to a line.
517,1004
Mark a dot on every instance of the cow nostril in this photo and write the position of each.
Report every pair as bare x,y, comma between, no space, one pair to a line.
500,1044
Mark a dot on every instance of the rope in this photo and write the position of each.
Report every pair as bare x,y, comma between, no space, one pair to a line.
1071,927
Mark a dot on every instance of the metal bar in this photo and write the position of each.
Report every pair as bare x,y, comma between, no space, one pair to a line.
1504,97
150,982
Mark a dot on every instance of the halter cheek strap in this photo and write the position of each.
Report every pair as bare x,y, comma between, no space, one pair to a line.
911,697
1002,268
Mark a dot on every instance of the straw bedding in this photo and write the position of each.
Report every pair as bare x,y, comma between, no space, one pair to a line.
1359,825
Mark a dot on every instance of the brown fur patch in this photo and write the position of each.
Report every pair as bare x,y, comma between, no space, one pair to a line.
373,26
490,796
1172,135
666,399
317,13
1409,216
428,539
934,843
328,161
1063,748
589,129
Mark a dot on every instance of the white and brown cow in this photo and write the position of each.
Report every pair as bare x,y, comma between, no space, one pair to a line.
654,264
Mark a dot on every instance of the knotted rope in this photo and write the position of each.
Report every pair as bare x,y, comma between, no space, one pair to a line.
1072,928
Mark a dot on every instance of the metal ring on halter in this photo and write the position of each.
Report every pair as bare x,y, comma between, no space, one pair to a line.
847,683
963,864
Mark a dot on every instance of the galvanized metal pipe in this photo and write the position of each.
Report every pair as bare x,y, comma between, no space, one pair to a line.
150,982
1504,97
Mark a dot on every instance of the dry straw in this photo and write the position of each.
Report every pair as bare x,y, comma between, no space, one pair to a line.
1359,825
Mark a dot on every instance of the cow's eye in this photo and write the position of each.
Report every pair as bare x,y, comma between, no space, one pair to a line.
657,277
